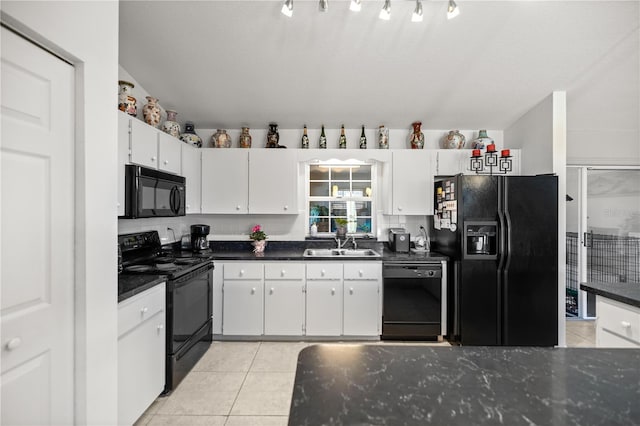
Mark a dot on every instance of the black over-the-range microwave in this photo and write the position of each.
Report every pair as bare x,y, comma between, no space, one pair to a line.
152,193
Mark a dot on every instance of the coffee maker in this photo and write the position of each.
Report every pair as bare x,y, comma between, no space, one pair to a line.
199,237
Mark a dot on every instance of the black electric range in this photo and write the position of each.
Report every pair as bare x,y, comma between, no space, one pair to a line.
189,290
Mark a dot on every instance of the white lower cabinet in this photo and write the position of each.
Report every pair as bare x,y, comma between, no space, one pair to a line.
618,324
284,299
362,305
141,353
243,299
324,299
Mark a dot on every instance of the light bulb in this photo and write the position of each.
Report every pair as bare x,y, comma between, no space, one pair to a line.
385,13
355,5
452,10
417,13
287,8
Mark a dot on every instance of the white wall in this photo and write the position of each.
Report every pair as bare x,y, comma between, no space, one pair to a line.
603,108
86,33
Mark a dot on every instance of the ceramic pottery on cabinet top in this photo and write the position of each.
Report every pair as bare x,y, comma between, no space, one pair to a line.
126,102
383,137
189,136
304,143
482,140
171,126
417,137
454,140
244,141
273,137
151,112
221,139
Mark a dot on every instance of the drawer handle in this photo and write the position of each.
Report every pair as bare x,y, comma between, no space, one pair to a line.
625,324
350,290
271,290
322,272
160,327
13,343
283,272
361,272
253,290
144,310
241,272
333,291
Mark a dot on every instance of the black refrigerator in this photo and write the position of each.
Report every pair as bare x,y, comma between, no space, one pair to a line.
501,234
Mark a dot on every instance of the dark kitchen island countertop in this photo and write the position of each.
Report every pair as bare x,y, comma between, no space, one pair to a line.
420,385
628,292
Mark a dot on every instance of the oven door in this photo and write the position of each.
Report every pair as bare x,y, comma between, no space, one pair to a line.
189,307
151,193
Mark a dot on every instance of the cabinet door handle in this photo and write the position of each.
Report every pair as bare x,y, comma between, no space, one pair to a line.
271,290
399,208
322,272
333,291
160,327
166,162
241,272
238,207
144,310
282,273
253,290
153,158
350,290
286,207
361,272
625,324
188,206
13,343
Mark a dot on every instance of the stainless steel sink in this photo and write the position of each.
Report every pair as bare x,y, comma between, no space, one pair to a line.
340,253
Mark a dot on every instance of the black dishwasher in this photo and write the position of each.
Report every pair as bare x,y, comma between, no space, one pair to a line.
414,301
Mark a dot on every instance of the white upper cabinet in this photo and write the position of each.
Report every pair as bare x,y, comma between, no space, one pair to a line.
273,181
191,170
153,148
412,182
144,144
225,181
169,153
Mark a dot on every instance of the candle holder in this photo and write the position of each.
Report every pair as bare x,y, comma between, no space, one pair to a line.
491,164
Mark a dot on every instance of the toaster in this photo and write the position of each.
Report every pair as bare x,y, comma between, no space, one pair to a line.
399,240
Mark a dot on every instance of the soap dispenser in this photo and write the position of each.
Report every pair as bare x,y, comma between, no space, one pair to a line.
313,231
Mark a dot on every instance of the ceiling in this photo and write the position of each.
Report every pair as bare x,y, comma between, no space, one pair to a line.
225,64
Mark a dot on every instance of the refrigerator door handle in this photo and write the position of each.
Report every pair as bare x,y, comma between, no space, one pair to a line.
502,243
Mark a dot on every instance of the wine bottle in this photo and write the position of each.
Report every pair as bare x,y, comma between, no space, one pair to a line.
363,139
342,142
305,139
323,139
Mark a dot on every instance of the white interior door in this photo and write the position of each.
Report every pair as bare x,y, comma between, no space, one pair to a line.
37,162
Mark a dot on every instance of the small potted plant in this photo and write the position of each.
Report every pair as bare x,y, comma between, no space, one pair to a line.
259,239
341,228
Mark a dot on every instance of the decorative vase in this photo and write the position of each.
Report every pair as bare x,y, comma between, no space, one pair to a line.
417,137
221,139
126,102
171,126
454,140
482,140
245,138
151,112
189,136
305,138
273,137
259,246
383,137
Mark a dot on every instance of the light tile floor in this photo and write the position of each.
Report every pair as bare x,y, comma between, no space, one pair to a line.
250,383
236,384
581,333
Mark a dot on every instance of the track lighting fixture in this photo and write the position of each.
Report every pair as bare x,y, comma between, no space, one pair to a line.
417,13
452,10
385,13
355,5
287,8
324,5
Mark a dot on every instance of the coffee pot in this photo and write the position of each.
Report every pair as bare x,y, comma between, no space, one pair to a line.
199,237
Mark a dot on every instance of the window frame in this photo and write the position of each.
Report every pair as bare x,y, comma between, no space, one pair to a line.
329,199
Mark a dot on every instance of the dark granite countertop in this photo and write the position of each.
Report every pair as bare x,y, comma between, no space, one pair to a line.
628,293
131,284
418,385
293,250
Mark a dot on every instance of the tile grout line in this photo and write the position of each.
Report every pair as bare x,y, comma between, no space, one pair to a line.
243,381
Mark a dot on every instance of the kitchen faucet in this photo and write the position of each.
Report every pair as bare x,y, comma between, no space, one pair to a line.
342,244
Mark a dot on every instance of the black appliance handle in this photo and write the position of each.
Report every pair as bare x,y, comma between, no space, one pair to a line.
186,279
174,200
